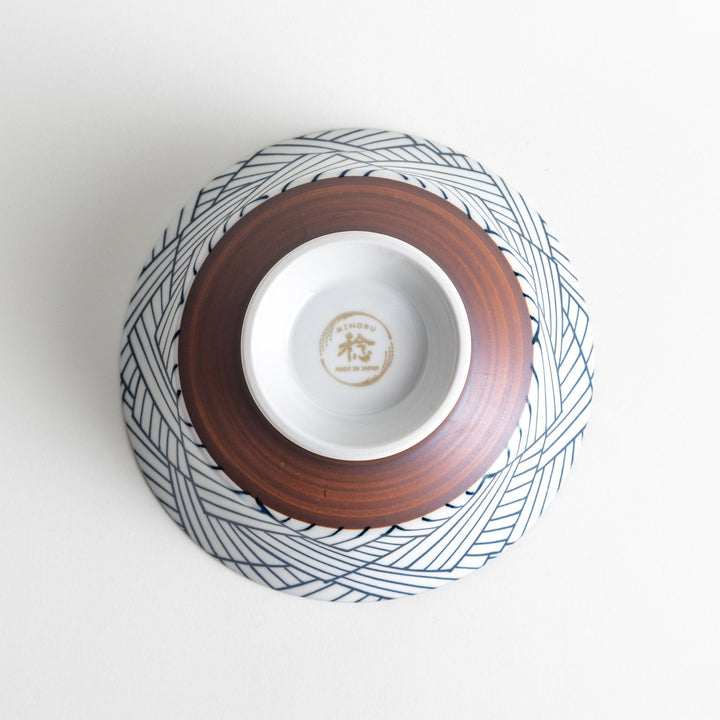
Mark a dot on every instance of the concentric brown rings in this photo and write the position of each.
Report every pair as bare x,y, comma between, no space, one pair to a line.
373,493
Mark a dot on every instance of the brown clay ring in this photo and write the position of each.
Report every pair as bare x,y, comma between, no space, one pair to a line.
373,493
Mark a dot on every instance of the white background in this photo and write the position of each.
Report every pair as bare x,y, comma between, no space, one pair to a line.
604,115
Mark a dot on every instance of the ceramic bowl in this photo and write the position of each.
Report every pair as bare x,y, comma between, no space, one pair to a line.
356,366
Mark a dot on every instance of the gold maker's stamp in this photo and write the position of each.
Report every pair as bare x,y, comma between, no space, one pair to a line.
356,348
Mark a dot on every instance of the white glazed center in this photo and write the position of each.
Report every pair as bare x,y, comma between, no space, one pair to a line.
356,346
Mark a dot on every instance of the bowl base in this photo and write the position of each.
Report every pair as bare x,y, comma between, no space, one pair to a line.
356,346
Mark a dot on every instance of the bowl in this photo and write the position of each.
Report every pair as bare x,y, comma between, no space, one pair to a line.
356,366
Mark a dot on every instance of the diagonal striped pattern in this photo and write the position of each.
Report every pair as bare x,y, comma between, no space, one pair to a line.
379,563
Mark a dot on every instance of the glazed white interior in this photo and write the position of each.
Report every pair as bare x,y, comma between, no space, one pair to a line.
356,346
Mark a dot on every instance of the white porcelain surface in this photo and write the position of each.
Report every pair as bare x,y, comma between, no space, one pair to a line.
356,346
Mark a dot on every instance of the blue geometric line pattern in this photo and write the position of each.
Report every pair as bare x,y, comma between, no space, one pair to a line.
379,563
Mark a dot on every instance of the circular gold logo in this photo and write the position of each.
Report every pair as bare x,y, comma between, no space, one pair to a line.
356,348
